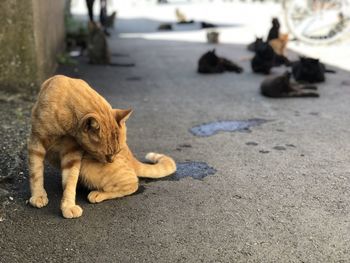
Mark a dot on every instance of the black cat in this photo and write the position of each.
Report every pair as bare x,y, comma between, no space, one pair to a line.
265,58
252,46
309,70
281,87
275,29
206,25
211,63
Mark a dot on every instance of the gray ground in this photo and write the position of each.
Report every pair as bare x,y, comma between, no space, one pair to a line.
264,204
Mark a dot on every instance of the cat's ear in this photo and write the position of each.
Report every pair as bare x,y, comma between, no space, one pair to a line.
121,116
90,124
213,51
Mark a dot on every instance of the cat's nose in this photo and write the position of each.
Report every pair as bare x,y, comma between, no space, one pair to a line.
110,158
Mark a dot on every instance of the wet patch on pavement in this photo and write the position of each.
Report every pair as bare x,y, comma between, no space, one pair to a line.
196,170
209,129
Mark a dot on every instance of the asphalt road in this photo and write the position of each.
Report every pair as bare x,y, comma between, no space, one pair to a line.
288,203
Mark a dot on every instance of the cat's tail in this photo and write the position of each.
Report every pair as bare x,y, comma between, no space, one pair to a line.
162,166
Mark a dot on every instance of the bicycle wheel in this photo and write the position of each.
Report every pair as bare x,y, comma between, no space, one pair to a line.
317,21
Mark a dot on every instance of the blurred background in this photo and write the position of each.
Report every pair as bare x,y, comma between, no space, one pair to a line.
34,34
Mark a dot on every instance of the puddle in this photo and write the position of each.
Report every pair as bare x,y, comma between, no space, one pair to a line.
212,128
196,170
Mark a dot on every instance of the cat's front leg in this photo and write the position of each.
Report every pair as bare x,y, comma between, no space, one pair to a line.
36,156
70,165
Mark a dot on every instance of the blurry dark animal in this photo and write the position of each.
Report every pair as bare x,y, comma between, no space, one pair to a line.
211,63
98,51
265,58
309,70
275,30
165,26
206,25
281,87
252,46
109,22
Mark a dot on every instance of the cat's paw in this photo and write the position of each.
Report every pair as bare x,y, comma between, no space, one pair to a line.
96,197
39,201
72,211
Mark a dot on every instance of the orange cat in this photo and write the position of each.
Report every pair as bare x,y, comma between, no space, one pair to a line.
69,113
119,178
279,44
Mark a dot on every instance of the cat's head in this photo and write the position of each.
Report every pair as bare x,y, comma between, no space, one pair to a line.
121,116
310,65
275,22
211,57
265,51
98,136
306,61
258,40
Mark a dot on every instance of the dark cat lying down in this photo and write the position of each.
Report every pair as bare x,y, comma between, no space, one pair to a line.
309,70
265,58
211,63
281,87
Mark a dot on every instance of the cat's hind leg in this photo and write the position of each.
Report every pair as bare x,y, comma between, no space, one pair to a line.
125,184
36,156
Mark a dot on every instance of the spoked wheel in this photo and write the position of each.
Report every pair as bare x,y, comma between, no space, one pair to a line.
317,21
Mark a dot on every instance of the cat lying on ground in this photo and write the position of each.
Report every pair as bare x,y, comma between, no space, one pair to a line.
119,178
309,70
211,63
281,87
69,113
